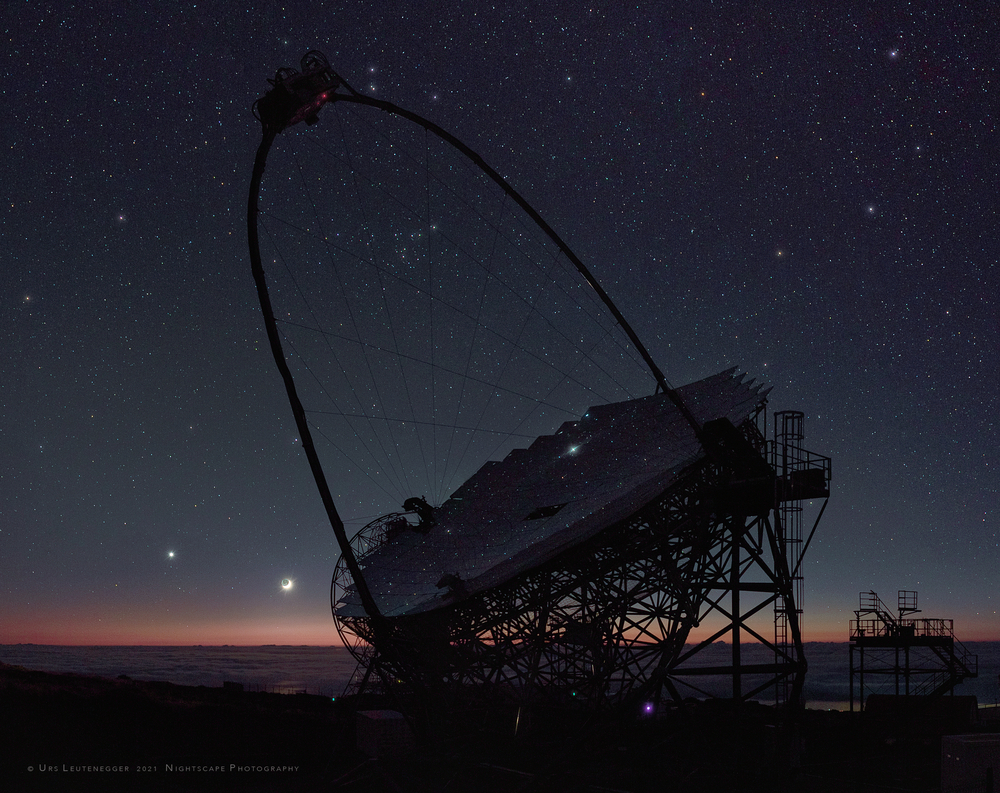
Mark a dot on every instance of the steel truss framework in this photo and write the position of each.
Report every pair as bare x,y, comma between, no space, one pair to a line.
608,622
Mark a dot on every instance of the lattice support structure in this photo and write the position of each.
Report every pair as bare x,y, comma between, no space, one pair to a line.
608,622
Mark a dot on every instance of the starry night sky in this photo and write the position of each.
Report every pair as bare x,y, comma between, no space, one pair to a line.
807,194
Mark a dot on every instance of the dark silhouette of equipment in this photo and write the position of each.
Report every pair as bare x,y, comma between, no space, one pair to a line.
425,512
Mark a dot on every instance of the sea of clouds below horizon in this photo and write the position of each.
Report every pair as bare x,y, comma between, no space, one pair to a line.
328,670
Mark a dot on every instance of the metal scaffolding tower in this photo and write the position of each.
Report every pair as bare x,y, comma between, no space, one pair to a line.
904,656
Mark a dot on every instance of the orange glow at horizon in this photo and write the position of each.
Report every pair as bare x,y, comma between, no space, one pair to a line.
52,628
320,633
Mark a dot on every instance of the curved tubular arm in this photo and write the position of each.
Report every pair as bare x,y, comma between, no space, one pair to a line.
367,601
282,107
446,136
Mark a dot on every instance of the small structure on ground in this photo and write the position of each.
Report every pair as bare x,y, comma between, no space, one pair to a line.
900,655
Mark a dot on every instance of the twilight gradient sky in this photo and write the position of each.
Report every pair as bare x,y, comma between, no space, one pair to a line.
809,194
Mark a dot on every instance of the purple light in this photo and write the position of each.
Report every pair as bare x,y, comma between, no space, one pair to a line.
648,707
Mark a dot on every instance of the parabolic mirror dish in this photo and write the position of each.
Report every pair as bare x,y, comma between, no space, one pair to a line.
515,514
